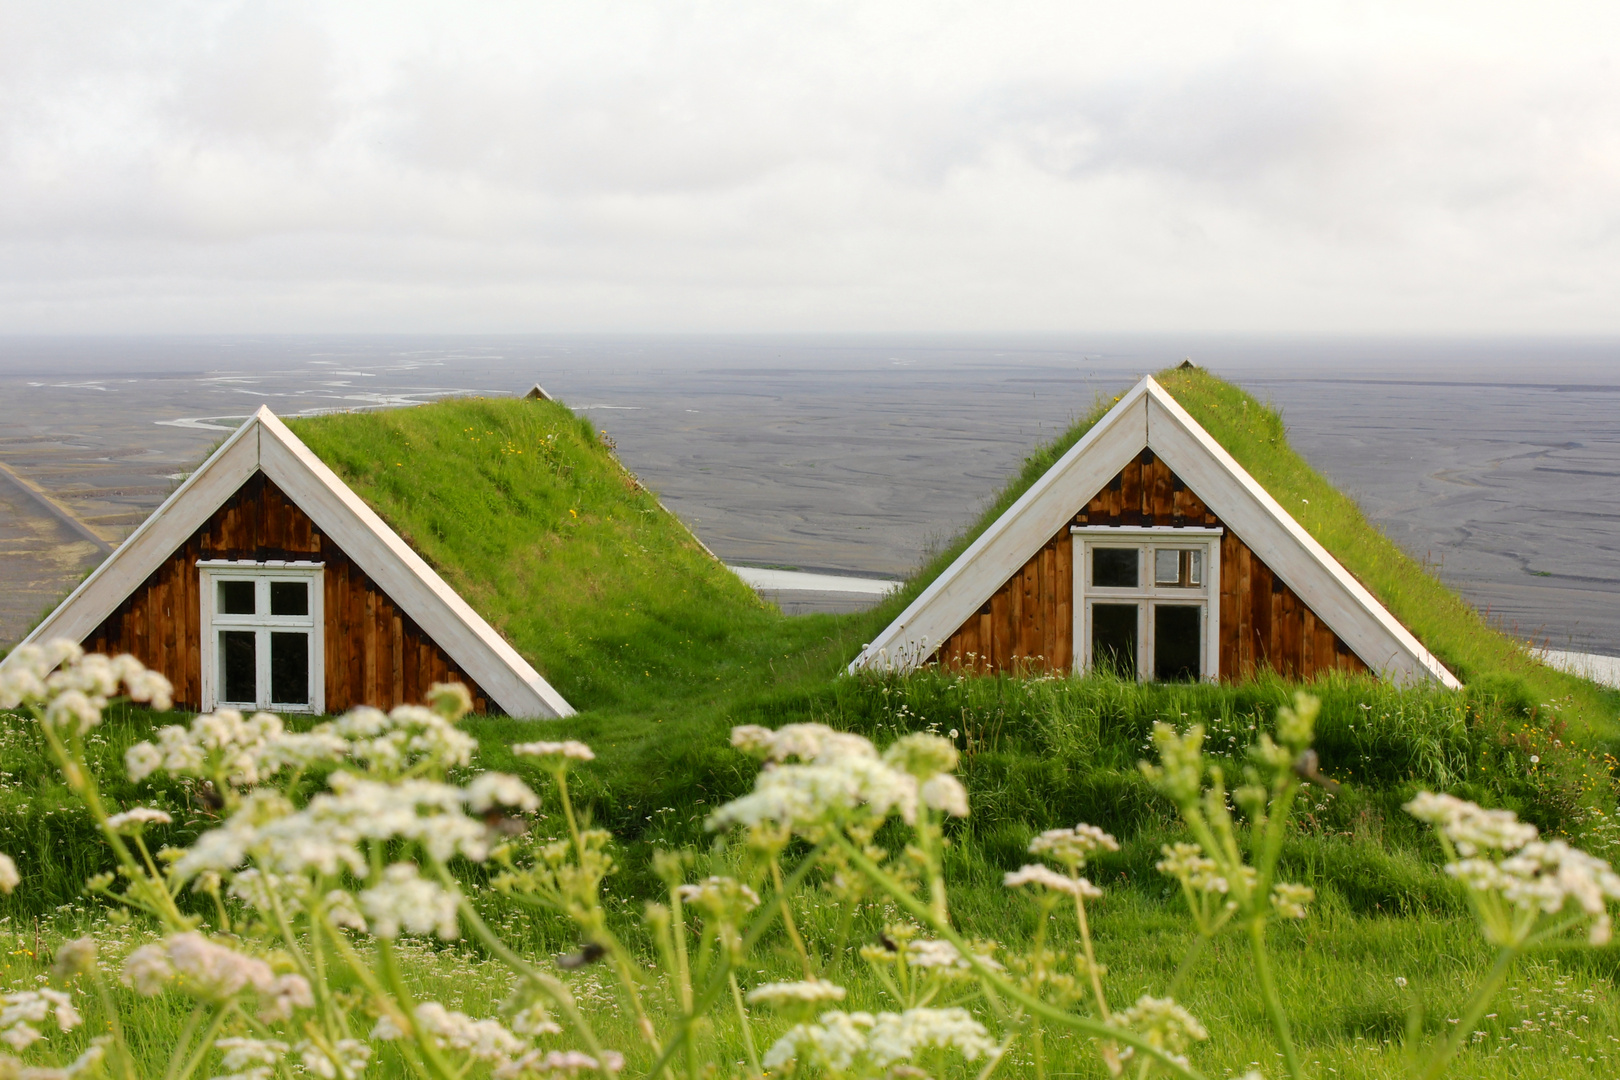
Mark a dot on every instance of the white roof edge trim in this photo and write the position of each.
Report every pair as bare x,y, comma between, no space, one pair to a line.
1398,654
891,649
49,627
407,579
1342,577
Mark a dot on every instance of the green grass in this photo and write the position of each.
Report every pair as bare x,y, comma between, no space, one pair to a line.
523,509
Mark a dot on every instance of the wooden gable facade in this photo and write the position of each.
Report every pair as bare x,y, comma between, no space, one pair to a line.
374,653
1148,548
263,581
1028,625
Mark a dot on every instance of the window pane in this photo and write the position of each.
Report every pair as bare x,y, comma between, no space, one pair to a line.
289,598
1196,576
236,598
238,664
1177,643
289,669
1166,566
1113,568
1113,638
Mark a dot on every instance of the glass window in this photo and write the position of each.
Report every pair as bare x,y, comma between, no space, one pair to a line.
239,666
1113,639
289,598
1114,568
1177,642
262,648
237,598
289,668
1178,567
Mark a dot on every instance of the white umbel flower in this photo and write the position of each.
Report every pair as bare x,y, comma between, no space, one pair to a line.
1047,878
20,1011
810,991
1072,847
557,753
484,1040
404,900
494,789
840,1040
138,818
9,878
1471,828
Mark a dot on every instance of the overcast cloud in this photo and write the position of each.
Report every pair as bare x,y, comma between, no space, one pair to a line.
809,166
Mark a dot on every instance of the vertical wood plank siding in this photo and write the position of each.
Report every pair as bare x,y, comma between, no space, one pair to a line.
1028,625
375,655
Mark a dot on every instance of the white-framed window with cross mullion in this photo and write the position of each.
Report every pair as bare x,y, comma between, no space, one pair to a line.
263,640
1147,601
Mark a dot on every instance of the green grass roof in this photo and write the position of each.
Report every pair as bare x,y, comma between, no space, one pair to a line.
525,512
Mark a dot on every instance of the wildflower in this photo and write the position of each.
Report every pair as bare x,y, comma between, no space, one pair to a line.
1072,847
138,818
839,779
535,1020
74,957
346,1059
881,1042
1290,900
19,1011
809,991
946,794
148,970
1187,864
450,700
1181,772
1469,827
560,752
405,900
922,755
241,1054
142,760
1400,981
500,789
1544,876
722,897
9,878
1165,1025
569,1062
1035,874
343,910
483,1040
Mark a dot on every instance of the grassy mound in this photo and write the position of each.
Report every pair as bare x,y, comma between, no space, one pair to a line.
526,512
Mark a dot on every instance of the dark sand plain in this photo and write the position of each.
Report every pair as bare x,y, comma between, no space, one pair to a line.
1499,462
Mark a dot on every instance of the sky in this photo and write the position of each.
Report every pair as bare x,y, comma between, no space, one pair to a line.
1357,168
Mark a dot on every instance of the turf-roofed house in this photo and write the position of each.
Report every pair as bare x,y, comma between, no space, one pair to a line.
1147,549
264,582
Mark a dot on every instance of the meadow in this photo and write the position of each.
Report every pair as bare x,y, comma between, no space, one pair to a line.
523,508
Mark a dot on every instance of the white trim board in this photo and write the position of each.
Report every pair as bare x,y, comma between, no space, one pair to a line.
266,444
1147,417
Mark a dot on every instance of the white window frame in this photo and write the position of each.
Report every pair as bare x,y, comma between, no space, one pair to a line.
210,573
1147,595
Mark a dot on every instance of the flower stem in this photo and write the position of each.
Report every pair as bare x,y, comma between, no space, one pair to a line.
1268,990
1476,1008
747,1033
992,978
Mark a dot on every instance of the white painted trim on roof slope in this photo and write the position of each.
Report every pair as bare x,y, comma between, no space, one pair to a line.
264,442
1147,417
1011,539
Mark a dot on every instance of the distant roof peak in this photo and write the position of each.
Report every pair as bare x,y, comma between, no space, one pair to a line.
538,392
